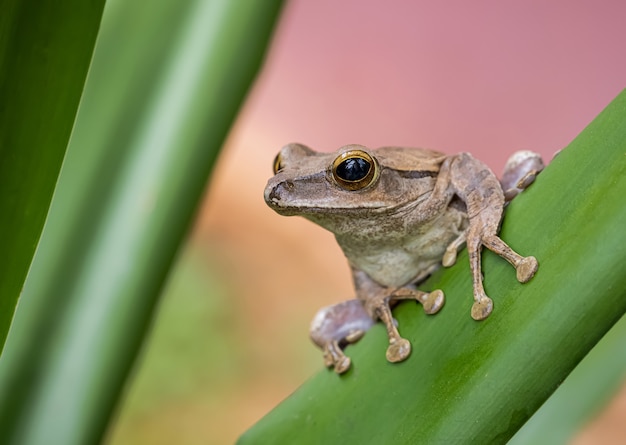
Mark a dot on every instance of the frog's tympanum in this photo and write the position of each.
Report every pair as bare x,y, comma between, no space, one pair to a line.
398,213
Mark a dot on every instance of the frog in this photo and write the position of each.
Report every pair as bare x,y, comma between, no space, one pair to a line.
398,214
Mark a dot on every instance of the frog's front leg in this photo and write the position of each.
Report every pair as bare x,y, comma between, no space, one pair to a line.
378,301
478,187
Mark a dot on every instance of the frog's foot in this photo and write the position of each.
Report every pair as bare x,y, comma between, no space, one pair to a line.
519,172
336,326
335,358
482,308
432,302
398,350
526,268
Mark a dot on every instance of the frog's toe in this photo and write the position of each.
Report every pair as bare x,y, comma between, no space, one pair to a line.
433,301
343,365
482,308
526,269
398,350
335,358
328,359
449,258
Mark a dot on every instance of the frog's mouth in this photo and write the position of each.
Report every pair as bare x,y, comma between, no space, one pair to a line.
304,210
316,212
275,199
280,197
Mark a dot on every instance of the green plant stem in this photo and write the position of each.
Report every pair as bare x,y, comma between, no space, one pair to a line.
45,50
165,86
478,382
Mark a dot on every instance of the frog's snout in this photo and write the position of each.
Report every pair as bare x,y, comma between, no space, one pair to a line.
276,194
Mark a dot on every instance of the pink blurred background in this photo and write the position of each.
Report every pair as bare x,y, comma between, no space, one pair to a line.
488,77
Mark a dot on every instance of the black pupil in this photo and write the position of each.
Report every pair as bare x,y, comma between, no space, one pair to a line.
353,169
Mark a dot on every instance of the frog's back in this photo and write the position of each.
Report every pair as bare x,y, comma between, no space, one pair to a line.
410,159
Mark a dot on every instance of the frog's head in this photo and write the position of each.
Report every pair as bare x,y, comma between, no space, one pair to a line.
335,190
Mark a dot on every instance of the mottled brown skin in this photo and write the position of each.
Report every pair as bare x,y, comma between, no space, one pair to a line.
397,213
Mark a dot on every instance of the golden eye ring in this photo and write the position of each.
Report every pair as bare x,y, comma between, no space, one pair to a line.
278,163
354,170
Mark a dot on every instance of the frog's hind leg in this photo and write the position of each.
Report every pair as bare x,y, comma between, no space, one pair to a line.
477,186
336,326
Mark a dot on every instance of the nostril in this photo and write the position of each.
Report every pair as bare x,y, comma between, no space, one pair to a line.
274,195
277,193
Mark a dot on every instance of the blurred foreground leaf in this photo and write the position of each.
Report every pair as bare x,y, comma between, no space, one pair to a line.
478,382
45,50
165,85
582,395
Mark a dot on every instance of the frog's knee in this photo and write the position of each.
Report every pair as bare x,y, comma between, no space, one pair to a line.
520,171
344,322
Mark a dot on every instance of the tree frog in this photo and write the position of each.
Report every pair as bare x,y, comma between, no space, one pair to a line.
398,214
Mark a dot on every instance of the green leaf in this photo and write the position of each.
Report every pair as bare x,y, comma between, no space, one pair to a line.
45,50
583,393
478,382
165,85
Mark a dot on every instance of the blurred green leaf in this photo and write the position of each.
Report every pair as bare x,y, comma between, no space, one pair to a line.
478,382
583,393
164,88
190,366
45,50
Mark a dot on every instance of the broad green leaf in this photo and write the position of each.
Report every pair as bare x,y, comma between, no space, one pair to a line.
478,382
166,83
45,50
583,393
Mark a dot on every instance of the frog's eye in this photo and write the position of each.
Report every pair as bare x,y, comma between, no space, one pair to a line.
278,163
354,170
